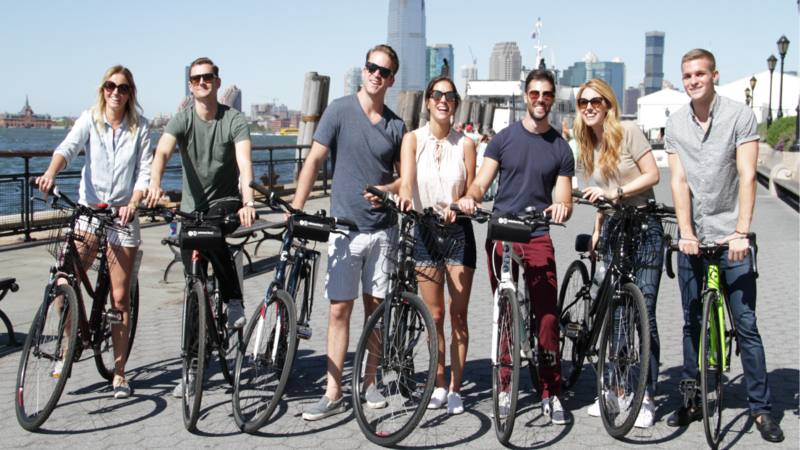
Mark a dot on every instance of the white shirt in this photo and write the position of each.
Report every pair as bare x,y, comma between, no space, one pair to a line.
441,176
115,166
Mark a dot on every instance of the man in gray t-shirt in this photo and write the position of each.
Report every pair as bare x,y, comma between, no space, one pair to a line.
364,138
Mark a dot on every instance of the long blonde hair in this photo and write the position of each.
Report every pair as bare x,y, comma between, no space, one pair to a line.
132,108
612,132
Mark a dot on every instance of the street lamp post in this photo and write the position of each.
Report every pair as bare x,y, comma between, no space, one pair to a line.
771,61
783,46
753,97
747,96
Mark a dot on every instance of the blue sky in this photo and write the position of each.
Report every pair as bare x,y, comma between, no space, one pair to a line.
56,51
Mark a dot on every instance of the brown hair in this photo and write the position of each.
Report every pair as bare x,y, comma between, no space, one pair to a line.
612,132
429,90
699,53
390,53
204,60
132,107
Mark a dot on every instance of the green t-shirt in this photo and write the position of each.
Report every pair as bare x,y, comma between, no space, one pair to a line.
208,156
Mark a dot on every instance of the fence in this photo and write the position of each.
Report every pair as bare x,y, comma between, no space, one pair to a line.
19,214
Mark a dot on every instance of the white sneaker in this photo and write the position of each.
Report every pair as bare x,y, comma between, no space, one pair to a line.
438,398
56,373
454,403
551,406
612,402
235,312
647,415
504,404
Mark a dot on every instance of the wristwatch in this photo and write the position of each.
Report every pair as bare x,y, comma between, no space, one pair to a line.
620,192
251,204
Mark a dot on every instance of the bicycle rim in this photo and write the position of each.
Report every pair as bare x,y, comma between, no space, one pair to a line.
623,360
263,367
391,391
575,314
104,360
230,342
194,354
711,370
38,389
505,371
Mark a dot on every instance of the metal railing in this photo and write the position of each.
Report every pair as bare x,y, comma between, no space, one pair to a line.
20,215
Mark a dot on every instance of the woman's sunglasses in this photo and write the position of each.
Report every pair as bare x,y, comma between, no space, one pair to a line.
383,71
207,77
450,96
584,102
124,89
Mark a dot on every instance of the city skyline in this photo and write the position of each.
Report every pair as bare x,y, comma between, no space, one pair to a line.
266,72
406,33
505,63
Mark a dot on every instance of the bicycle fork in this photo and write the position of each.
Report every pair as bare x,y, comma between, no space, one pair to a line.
717,323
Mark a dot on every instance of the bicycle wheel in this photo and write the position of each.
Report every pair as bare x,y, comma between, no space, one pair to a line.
623,360
264,364
505,370
529,333
572,310
230,341
104,354
195,353
300,299
391,390
51,342
711,369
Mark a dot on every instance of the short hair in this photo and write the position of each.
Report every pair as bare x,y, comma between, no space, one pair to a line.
390,53
540,74
429,90
699,53
204,60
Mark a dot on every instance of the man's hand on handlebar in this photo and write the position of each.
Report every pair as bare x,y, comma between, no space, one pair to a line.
689,245
738,247
152,195
247,215
467,206
558,212
374,200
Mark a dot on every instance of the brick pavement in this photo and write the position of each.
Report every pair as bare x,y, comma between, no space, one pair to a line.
88,417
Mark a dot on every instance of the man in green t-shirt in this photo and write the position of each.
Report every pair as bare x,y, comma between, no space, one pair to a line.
214,144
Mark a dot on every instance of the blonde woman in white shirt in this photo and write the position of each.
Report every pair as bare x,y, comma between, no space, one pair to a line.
116,170
437,166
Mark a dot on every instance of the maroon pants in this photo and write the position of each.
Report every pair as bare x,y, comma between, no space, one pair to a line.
539,263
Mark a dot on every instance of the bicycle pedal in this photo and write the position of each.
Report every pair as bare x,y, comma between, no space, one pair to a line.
304,332
114,316
573,330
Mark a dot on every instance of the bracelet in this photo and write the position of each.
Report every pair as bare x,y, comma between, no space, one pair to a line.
562,204
739,232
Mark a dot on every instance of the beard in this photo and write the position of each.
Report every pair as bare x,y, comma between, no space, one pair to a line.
535,115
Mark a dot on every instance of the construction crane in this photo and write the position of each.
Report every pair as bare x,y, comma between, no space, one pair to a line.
474,60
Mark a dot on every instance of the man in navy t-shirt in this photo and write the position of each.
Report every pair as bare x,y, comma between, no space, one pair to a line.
532,160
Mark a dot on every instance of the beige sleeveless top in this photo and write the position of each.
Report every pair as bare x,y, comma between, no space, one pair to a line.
441,177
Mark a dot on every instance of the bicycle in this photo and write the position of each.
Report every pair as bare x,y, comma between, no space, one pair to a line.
717,334
394,369
514,330
614,327
203,327
60,330
270,343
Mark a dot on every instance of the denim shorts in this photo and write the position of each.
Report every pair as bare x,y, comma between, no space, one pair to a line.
462,255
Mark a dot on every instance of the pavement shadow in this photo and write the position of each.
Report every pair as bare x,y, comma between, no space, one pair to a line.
104,412
5,349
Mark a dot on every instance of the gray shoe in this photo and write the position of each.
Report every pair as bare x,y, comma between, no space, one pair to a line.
235,312
178,391
375,399
324,408
552,408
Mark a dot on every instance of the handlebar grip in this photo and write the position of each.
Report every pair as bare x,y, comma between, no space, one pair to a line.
666,242
32,181
454,207
383,195
669,209
346,222
577,193
753,249
260,189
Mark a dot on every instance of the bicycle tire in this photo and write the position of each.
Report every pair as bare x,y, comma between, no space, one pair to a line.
625,369
300,299
260,382
405,377
508,354
711,370
571,348
230,342
528,323
36,371
104,357
195,354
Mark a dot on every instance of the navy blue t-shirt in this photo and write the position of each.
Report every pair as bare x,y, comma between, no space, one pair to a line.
529,166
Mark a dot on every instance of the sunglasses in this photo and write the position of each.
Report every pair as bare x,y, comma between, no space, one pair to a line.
205,77
547,96
450,96
124,89
383,71
584,102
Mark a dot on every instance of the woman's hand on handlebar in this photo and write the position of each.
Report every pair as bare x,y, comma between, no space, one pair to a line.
126,213
46,182
448,215
403,203
593,193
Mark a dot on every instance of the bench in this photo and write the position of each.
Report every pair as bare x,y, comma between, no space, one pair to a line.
8,284
242,232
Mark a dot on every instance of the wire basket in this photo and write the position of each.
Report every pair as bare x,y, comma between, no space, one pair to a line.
88,238
422,247
635,239
670,226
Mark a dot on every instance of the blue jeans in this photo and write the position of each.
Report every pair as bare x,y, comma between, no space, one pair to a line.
739,284
648,278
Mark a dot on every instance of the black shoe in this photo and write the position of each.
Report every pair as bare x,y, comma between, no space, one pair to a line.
684,416
770,430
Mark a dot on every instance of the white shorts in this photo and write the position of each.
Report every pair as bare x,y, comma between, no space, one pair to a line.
361,256
133,238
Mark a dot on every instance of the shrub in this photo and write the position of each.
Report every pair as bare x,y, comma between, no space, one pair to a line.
782,129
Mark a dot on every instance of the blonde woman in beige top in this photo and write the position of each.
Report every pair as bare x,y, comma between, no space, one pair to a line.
437,165
619,158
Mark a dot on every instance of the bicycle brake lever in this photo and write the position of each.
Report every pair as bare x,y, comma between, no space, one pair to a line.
342,233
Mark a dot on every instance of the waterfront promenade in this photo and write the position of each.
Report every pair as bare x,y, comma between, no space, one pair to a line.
88,417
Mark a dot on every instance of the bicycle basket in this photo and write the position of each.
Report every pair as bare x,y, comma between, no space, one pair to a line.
88,238
635,239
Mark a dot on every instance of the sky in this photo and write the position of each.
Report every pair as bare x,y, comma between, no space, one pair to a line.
56,52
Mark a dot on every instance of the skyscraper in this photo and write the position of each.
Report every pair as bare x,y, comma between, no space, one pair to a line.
653,62
631,106
435,60
407,38
612,72
469,72
233,98
186,85
505,63
352,80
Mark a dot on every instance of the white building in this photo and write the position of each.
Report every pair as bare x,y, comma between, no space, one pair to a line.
469,72
791,90
654,110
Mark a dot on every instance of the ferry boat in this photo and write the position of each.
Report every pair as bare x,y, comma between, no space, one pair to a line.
288,131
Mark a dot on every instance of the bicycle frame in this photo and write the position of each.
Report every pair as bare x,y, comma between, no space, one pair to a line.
506,282
196,275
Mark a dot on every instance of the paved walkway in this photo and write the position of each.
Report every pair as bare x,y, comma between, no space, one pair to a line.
88,417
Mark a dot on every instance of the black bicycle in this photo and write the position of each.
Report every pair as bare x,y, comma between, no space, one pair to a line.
60,330
274,332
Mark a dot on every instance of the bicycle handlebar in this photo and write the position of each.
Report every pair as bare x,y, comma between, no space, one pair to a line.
272,198
604,203
104,209
707,251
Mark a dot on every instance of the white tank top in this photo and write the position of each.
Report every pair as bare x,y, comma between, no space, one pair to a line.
441,177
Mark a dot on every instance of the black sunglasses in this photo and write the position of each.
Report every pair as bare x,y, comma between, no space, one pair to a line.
547,96
383,71
596,102
206,77
450,96
124,89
